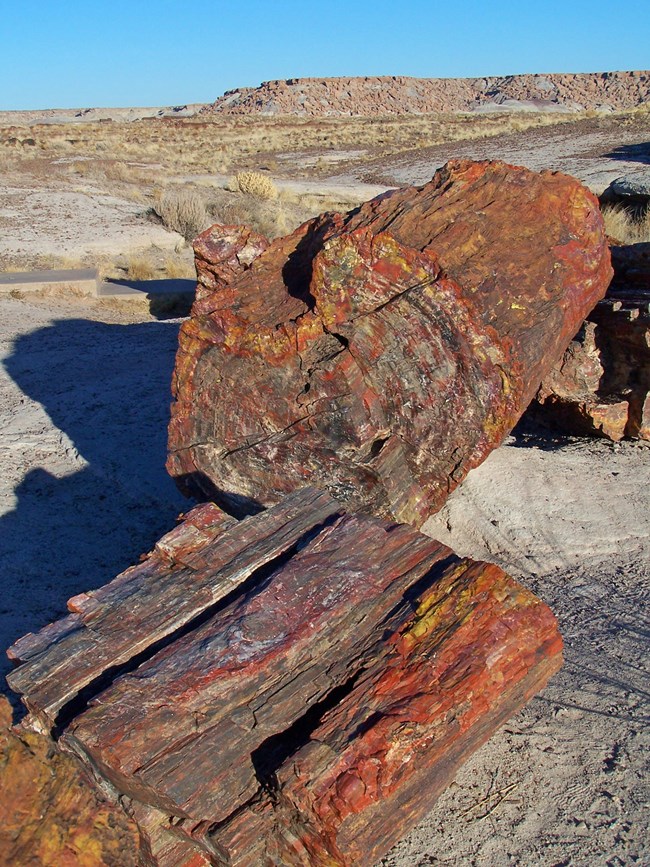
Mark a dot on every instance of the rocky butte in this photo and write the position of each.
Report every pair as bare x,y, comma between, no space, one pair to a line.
377,96
383,353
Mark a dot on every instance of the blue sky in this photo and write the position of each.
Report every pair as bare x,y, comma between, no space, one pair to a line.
164,52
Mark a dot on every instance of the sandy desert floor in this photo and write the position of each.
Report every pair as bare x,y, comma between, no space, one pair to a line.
84,403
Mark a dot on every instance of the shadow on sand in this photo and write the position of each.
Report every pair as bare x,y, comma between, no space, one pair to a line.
636,153
107,388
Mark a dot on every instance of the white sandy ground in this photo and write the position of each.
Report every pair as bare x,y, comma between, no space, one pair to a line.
84,397
595,156
73,222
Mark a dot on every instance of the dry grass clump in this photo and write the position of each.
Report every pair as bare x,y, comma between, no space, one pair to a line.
271,219
182,210
140,267
623,225
256,184
179,268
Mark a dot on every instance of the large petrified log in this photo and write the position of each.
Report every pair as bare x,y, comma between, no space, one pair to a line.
383,353
601,385
292,689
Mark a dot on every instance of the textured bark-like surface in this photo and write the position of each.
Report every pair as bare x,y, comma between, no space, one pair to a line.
249,672
315,711
478,647
160,845
191,570
222,253
383,353
601,386
50,814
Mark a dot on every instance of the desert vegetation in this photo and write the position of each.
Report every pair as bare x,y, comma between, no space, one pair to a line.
625,225
271,173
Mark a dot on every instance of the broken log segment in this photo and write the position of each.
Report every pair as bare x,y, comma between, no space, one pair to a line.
383,353
192,569
254,668
313,715
601,385
477,647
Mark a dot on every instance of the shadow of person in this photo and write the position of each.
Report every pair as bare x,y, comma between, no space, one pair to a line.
76,525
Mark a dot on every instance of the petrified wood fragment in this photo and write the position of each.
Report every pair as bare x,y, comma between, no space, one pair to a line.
222,253
601,386
50,813
383,353
191,570
309,705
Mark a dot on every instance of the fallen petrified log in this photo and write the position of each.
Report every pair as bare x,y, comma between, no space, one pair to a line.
292,689
381,354
601,386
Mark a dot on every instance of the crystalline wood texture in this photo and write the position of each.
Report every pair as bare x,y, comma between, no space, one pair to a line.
601,385
300,685
382,354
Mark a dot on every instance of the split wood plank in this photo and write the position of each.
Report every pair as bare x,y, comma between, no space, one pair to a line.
189,572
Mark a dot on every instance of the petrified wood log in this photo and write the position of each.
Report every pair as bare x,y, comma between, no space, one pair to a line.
308,706
383,353
601,386
50,813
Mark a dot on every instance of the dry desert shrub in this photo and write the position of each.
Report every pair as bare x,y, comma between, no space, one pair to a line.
256,184
179,268
622,225
140,267
270,219
182,210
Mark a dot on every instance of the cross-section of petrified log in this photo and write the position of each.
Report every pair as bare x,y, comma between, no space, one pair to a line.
383,353
309,705
601,386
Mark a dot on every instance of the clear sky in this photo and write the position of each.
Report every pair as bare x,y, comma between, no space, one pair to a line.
69,53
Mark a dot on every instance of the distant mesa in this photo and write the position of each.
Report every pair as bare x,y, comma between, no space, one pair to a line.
377,96
396,95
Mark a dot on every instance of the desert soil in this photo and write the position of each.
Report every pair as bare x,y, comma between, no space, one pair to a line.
595,151
79,223
84,401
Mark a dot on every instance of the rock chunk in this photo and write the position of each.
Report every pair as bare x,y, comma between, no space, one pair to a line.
50,813
383,353
222,253
601,386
